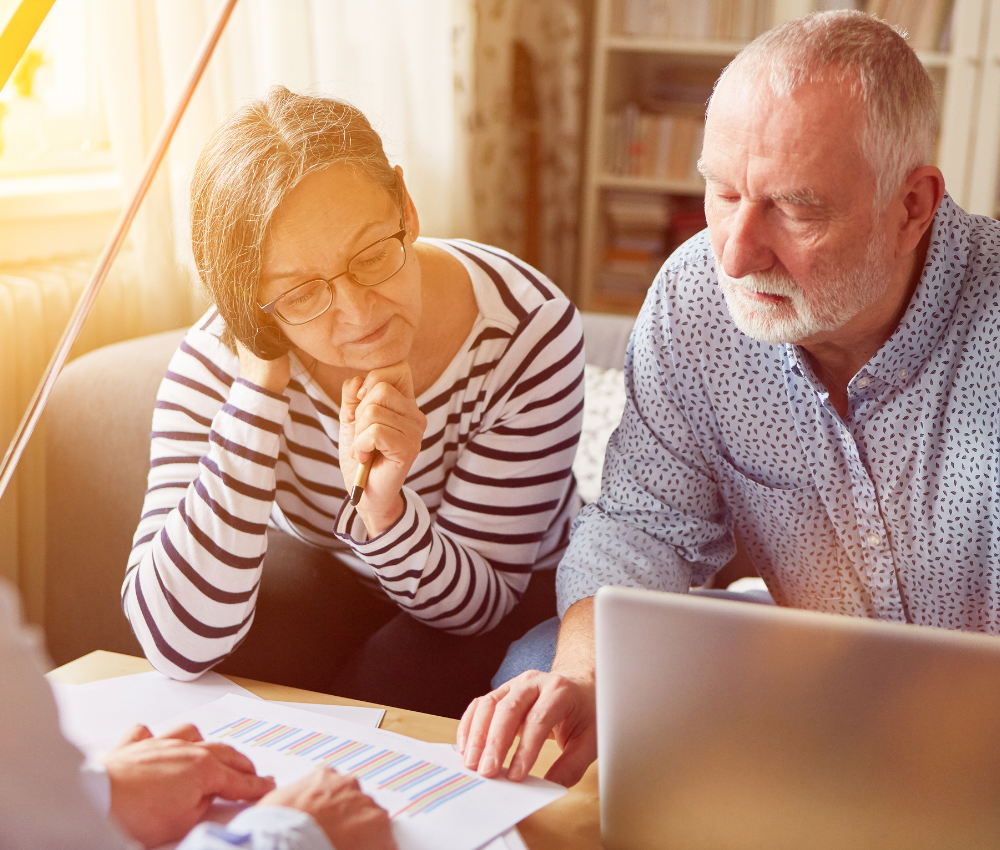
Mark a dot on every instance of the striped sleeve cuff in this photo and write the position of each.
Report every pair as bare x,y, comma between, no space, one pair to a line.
392,545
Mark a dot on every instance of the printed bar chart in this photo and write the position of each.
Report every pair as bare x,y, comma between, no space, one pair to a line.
427,785
433,801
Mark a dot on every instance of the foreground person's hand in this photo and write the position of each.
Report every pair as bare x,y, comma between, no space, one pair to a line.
348,816
161,787
379,413
535,705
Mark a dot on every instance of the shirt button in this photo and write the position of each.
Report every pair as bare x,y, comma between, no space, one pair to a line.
903,374
873,538
847,436
862,382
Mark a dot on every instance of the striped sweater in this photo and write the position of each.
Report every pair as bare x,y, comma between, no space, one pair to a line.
489,498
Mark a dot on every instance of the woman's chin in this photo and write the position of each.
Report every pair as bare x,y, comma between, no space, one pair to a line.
364,358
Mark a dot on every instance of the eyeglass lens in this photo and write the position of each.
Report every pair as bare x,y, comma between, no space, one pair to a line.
374,265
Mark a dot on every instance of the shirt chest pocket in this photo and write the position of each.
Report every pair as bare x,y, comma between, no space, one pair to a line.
789,537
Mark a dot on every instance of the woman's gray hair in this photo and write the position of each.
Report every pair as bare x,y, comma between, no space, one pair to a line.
882,71
248,167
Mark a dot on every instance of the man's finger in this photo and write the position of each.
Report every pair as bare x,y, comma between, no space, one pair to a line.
231,758
509,718
236,785
569,768
187,732
481,731
134,735
465,724
548,711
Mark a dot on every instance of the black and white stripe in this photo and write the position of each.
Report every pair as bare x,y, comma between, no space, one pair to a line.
489,498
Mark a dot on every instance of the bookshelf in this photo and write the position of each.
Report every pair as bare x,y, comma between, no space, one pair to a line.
649,82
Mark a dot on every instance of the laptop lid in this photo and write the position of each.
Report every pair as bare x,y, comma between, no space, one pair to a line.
729,725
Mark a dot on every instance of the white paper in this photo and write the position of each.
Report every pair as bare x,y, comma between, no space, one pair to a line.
96,715
352,713
510,840
434,804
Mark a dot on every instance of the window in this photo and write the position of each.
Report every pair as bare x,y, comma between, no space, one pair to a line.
59,185
52,118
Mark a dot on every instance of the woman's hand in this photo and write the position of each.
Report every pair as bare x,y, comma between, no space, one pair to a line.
379,413
272,375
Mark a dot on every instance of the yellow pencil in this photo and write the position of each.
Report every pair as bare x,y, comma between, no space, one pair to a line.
361,479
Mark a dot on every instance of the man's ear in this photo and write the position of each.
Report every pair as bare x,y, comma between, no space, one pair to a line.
409,210
918,200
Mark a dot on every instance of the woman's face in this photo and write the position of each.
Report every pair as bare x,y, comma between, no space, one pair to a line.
316,230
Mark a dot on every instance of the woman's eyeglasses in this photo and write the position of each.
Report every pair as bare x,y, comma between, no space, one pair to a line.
369,267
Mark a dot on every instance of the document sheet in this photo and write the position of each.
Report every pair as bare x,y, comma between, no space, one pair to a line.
434,802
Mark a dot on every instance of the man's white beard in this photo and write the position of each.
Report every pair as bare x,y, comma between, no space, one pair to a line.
832,301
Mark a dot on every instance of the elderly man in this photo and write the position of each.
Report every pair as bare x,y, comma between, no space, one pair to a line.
818,370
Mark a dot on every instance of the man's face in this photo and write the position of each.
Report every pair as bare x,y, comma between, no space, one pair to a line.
798,250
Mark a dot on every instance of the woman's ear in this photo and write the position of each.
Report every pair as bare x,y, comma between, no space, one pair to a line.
409,210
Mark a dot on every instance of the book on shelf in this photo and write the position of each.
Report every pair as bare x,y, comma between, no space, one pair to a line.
708,20
642,229
925,21
656,145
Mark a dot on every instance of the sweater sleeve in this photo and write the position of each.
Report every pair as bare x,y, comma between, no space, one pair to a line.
192,578
465,568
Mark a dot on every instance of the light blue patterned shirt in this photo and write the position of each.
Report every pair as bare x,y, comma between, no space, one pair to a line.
890,512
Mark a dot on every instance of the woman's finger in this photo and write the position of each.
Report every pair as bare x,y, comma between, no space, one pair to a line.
390,442
384,394
398,375
407,427
349,399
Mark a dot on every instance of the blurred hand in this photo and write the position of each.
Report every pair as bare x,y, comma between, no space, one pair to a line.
560,704
161,787
349,817
379,413
272,375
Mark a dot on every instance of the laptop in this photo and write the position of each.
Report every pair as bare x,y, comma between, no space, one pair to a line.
729,726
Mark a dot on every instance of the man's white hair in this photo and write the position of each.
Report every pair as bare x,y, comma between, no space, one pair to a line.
880,69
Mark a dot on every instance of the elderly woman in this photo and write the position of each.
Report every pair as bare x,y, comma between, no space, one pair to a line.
337,337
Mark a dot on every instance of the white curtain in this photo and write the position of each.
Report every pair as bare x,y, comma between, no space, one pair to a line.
406,65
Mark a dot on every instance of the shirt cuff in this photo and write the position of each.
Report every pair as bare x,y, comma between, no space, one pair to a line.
96,785
260,828
393,544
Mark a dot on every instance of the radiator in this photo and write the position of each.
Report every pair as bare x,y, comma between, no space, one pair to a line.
35,304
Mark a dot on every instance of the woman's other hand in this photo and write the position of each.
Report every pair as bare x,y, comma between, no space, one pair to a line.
350,818
379,413
272,375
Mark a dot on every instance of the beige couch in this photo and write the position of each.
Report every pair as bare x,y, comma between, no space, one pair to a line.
97,458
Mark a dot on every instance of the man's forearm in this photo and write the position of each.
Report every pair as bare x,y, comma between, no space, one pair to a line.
575,647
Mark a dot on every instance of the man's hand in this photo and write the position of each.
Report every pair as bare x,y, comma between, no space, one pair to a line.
350,818
536,705
379,413
161,787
